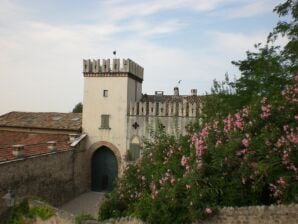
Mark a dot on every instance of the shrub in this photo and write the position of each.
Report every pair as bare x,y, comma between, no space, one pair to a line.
247,158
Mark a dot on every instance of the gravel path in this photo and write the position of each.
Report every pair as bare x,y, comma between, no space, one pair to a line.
87,203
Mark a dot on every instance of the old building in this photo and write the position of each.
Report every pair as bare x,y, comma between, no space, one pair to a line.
60,155
117,116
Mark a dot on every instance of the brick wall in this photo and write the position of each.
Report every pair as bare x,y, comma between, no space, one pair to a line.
56,177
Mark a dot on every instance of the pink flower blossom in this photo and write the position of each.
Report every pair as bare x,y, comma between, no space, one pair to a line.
245,142
200,147
208,211
266,109
184,161
204,132
241,152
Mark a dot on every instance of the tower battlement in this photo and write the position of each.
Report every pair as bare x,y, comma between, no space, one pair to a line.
104,67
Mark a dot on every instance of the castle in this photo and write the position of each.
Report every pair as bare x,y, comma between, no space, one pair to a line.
118,116
60,155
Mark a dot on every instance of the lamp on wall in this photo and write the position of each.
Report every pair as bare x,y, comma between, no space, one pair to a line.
9,199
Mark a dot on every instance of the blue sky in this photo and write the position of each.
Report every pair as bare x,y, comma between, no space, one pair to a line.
42,44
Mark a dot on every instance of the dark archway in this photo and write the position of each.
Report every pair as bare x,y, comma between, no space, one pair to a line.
104,169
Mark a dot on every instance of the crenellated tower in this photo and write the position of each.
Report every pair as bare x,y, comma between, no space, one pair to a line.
109,87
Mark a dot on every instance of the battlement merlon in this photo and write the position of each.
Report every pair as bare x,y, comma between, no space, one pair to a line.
103,66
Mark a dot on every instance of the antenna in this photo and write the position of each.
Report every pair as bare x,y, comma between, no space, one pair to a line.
114,53
179,82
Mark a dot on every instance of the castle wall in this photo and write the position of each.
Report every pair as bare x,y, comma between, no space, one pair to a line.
56,177
146,124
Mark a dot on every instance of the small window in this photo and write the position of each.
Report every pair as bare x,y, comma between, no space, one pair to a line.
105,121
105,93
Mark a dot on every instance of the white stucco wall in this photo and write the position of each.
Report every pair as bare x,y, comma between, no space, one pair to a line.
174,125
115,105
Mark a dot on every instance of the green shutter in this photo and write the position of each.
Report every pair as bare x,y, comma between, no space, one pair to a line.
105,121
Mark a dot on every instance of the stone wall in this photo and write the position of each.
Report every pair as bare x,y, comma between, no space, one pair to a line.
274,214
56,177
282,214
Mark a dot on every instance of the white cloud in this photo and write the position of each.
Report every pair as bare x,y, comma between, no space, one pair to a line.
41,63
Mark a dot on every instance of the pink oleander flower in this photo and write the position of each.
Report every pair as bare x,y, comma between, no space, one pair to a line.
143,178
228,123
204,132
241,152
245,142
293,138
208,211
200,147
184,161
296,117
266,109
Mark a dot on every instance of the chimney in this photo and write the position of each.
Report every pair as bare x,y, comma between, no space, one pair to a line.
176,91
52,146
194,92
18,151
158,93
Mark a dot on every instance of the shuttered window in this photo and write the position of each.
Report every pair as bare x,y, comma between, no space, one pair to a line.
105,121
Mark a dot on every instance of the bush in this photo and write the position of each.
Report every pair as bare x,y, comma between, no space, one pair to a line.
23,211
248,158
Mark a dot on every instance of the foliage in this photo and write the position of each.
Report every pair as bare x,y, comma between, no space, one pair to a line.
78,108
248,158
83,217
22,211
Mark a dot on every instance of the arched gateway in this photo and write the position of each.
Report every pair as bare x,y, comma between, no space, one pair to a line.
104,169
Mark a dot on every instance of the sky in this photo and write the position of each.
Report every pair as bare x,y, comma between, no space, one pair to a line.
43,44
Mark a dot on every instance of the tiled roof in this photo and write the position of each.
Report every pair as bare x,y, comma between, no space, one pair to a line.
42,120
35,143
171,98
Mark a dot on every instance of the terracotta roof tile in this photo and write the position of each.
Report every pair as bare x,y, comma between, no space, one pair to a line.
35,143
42,120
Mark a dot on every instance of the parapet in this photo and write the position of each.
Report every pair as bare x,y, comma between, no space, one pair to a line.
103,67
164,109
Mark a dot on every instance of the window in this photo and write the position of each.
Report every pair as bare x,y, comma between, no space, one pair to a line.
105,121
105,93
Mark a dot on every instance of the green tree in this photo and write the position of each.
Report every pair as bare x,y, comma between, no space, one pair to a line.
78,108
266,71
